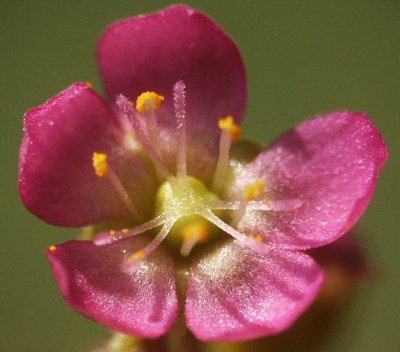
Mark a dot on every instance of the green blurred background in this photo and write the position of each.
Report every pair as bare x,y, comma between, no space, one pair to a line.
302,57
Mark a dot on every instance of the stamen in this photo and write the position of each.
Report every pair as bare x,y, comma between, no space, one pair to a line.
194,233
136,256
127,109
256,237
248,241
239,213
100,164
52,248
230,132
102,168
147,103
180,112
228,125
135,259
254,190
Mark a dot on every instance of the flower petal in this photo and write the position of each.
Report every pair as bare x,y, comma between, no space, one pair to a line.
331,165
142,303
153,52
57,181
235,294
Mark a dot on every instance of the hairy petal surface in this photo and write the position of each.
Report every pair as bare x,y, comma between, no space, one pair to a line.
153,52
142,303
331,164
235,294
57,181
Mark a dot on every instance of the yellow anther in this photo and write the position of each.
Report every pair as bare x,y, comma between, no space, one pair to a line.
89,84
255,190
52,248
256,237
197,230
100,164
125,231
228,124
113,232
136,256
148,101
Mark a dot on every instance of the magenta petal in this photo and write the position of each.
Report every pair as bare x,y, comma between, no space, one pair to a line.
57,181
142,303
153,52
331,164
235,294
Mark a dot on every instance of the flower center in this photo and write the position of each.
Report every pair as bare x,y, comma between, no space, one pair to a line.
183,200
186,211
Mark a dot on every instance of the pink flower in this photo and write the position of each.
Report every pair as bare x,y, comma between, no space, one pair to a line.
177,209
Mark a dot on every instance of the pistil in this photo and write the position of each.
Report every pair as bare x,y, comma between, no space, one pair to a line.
197,231
111,236
180,112
137,257
249,241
